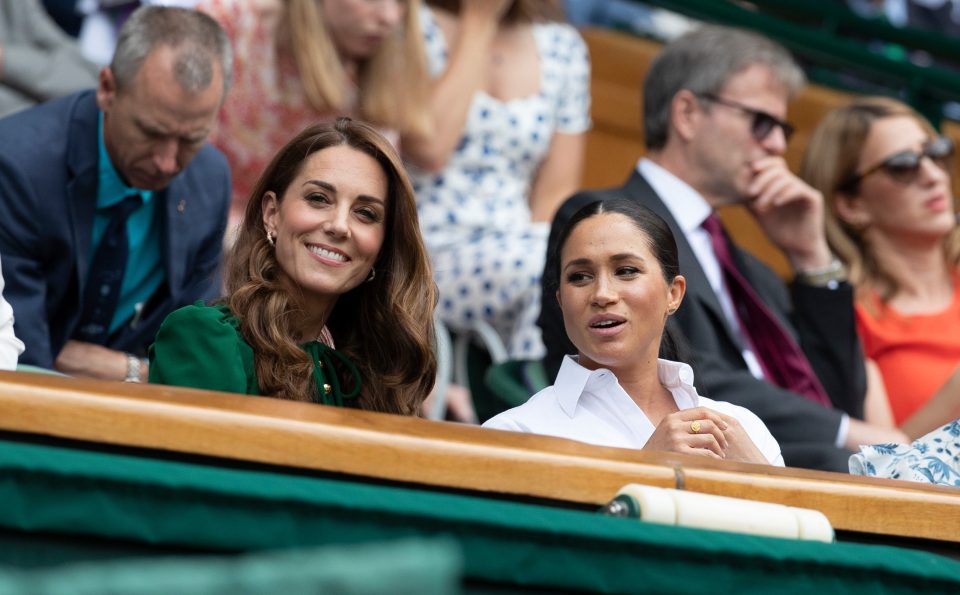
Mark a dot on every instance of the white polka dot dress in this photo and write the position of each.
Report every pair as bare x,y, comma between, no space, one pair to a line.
475,216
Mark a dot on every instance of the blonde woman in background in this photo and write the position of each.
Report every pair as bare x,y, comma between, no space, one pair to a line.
298,62
884,173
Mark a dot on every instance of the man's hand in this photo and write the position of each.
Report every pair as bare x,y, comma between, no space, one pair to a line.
94,361
790,211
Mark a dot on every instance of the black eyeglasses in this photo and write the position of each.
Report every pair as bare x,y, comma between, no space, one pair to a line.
762,124
904,166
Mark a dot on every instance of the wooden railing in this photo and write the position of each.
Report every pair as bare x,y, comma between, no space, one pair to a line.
619,63
444,455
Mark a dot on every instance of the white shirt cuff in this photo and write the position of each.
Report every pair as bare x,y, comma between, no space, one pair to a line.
843,430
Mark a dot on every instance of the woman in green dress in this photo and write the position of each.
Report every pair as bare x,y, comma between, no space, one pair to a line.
329,290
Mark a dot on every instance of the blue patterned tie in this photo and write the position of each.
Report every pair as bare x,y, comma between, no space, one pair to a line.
102,292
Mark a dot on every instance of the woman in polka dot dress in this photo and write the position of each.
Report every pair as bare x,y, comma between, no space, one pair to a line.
511,105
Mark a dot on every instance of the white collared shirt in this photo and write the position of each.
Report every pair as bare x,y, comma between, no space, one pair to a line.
690,210
591,406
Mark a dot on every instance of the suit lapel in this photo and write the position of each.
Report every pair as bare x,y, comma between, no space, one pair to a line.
698,287
82,162
174,211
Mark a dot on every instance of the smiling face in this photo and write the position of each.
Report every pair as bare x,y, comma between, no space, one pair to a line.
723,147
329,224
359,27
613,295
153,127
921,208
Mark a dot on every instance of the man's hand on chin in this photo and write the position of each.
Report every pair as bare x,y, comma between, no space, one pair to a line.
790,211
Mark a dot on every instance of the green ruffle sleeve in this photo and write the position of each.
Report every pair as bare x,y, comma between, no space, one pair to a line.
200,346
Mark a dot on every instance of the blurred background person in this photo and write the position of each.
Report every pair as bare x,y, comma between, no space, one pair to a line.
883,171
298,62
329,292
510,105
38,61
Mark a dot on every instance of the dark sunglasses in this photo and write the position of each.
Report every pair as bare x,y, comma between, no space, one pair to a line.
761,125
904,166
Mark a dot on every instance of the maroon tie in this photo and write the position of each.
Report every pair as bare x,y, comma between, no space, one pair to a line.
780,357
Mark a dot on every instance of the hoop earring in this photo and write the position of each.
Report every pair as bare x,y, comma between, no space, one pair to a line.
270,240
373,274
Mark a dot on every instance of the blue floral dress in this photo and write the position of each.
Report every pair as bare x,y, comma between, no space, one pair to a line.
934,458
487,254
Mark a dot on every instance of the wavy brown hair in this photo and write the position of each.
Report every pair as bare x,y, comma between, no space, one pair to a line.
385,325
831,159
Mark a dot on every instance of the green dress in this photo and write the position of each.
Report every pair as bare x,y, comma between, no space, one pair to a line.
201,346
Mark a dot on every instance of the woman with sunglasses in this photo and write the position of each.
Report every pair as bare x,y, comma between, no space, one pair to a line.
884,173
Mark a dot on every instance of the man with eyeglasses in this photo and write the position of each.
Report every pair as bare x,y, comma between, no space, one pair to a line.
715,102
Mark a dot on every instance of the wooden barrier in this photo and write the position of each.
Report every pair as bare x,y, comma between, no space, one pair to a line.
443,455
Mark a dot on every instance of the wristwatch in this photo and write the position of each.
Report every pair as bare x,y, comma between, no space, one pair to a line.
829,276
134,365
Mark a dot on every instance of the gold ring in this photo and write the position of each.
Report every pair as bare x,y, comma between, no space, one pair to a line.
695,426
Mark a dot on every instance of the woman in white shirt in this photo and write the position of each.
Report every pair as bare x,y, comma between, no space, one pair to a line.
619,281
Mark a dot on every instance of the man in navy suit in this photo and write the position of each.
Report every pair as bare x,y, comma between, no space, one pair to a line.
66,166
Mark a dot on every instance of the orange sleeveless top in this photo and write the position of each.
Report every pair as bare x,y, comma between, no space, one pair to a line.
916,353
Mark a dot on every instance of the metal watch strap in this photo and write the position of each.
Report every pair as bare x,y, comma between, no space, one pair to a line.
134,366
828,276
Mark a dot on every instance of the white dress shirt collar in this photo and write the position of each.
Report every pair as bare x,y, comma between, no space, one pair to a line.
574,381
687,206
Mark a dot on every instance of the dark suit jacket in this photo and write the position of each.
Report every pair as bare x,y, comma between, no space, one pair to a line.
48,196
821,320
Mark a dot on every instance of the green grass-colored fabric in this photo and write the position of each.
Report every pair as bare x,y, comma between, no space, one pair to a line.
515,381
170,503
37,370
404,568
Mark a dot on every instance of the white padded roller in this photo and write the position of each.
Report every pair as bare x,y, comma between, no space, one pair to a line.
722,513
814,525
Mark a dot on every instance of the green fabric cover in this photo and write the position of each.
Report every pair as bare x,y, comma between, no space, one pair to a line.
192,504
37,370
408,567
